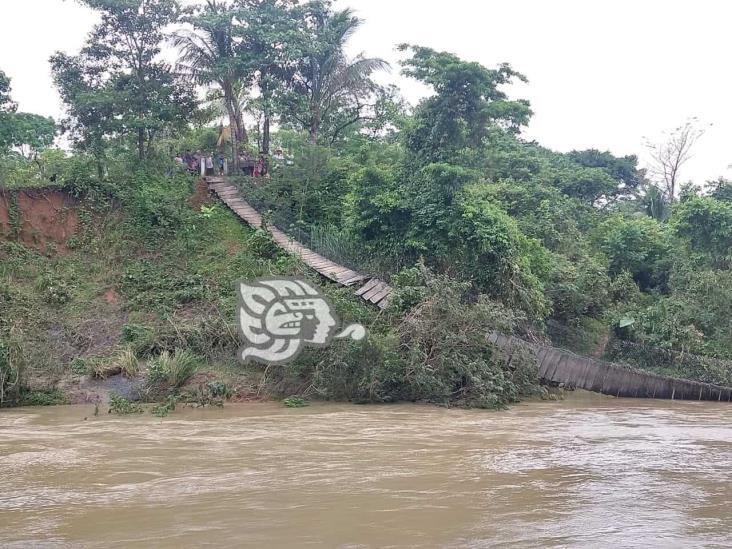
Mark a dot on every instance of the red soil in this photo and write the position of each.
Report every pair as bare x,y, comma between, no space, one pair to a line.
44,216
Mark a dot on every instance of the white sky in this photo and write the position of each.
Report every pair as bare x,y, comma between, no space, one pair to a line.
602,74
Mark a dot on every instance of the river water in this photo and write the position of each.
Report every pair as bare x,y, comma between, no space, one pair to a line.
586,472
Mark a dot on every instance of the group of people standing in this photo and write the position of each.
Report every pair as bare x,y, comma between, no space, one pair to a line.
213,163
253,167
206,164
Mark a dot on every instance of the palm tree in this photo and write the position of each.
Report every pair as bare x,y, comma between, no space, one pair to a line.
327,78
208,55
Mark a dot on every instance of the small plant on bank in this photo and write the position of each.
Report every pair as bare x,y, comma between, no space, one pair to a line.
138,337
164,408
295,402
10,372
204,395
99,369
128,364
79,366
260,243
121,406
173,368
219,389
42,398
54,290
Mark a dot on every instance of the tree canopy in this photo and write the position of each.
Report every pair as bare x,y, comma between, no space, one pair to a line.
20,130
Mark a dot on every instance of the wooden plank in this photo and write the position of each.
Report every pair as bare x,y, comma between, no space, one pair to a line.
375,290
317,265
235,203
336,269
346,275
381,295
243,210
312,256
368,286
353,279
320,263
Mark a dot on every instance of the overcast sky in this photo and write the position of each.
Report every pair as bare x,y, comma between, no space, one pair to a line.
602,74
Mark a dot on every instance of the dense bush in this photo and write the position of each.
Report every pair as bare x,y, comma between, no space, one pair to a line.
437,353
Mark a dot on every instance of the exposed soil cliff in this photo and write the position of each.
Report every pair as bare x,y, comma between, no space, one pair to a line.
42,219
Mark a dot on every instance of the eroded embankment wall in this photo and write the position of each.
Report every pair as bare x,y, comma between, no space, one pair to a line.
39,218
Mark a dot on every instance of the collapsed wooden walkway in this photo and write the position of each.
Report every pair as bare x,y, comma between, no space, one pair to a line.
556,366
562,367
369,288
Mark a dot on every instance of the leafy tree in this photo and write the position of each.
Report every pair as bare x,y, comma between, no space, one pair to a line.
26,131
466,105
624,170
208,53
376,210
705,225
117,85
694,317
720,189
655,203
329,90
542,212
590,185
637,245
272,45
6,103
491,250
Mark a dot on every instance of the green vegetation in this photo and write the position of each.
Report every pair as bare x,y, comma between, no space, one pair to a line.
295,402
166,407
121,406
173,369
476,228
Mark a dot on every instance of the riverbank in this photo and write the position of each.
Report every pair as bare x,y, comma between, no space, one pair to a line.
142,283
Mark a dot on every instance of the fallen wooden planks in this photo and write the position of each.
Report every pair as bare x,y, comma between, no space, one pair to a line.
563,367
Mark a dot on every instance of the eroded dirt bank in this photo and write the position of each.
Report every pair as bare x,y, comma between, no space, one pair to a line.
43,219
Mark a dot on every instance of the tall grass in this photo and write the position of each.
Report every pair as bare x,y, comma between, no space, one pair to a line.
173,369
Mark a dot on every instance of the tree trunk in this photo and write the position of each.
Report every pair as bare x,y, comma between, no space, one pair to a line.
233,129
141,143
241,131
314,129
315,120
266,135
234,146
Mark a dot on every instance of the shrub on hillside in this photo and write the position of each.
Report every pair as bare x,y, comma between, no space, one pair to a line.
438,352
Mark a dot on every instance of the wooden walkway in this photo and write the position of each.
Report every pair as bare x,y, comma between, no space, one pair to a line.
370,289
563,367
555,366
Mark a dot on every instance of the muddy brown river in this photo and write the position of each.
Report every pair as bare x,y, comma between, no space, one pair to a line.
586,472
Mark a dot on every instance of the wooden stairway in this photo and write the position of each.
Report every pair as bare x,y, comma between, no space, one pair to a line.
370,289
555,365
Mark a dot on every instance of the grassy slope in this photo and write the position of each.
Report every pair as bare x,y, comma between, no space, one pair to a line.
119,287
